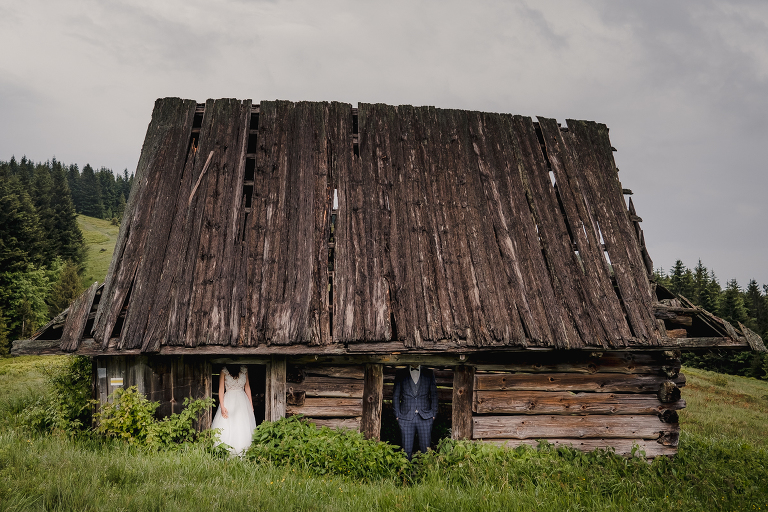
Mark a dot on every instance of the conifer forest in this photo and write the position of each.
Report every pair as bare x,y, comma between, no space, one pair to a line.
42,250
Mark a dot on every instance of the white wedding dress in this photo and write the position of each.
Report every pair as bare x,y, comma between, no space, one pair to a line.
236,430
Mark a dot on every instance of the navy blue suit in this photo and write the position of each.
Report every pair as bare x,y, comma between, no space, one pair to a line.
415,408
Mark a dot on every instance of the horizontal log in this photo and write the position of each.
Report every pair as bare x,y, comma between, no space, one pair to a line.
677,333
346,411
565,402
36,347
619,446
328,387
344,372
341,423
607,383
448,354
578,427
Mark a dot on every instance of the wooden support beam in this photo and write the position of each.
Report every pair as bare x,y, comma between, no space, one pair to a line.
275,392
373,392
461,416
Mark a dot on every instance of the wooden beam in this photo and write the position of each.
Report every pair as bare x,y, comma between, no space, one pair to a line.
569,403
605,382
554,426
327,408
328,387
373,393
461,415
275,392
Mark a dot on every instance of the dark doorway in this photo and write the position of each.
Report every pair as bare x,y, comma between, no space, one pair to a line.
257,378
390,431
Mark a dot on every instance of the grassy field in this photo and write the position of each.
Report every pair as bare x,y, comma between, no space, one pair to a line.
722,465
100,238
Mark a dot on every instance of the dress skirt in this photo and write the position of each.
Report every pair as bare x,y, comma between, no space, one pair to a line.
237,429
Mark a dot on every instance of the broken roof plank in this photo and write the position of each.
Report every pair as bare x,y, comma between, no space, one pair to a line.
77,317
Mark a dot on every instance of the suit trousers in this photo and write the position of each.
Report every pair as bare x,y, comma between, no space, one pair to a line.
417,425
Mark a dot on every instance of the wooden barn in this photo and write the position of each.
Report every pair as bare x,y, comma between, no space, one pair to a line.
325,245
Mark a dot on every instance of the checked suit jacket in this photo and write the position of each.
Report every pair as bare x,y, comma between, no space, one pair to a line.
408,397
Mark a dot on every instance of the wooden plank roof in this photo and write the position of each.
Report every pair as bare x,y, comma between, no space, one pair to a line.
454,229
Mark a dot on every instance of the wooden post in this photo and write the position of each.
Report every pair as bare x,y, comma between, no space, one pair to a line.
275,392
373,392
461,420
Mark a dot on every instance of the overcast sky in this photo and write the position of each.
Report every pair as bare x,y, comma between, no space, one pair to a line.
682,85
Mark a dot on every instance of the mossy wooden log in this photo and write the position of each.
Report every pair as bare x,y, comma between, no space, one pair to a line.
606,383
556,426
569,403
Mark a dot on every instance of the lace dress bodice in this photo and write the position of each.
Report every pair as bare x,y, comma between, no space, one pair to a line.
232,383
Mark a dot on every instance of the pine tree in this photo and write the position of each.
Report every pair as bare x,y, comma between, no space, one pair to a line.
713,295
42,194
65,290
755,304
732,306
20,233
700,282
67,236
682,280
73,179
90,189
109,195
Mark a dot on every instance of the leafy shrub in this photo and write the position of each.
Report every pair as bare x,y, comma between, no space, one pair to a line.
64,409
131,417
327,452
128,416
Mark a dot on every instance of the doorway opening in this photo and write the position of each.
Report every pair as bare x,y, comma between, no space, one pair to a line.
257,379
441,428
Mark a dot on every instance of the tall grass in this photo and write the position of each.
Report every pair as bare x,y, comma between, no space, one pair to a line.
726,407
711,472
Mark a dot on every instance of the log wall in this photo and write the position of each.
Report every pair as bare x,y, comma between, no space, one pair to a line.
326,395
588,401
162,379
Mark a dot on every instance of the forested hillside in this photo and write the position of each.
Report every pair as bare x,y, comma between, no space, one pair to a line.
42,249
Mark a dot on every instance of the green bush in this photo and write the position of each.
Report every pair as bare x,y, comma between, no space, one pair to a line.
127,416
64,408
325,451
131,417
